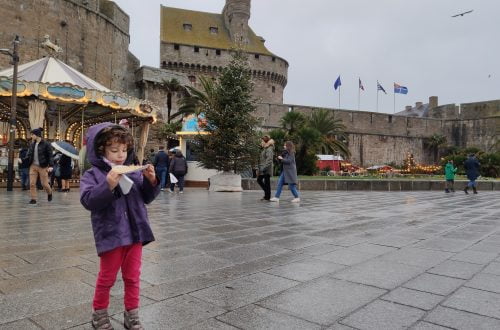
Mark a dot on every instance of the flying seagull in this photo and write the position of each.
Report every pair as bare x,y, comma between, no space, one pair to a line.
462,14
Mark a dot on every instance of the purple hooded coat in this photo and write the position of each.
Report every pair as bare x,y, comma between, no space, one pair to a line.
117,219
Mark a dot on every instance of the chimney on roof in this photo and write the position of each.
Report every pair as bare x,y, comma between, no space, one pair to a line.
433,102
408,108
418,105
236,14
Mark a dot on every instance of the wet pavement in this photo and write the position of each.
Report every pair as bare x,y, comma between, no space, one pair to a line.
339,260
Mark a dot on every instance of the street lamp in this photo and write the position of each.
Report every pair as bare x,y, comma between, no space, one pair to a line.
12,132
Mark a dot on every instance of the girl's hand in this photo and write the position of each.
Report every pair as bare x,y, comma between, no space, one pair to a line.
280,158
149,173
113,178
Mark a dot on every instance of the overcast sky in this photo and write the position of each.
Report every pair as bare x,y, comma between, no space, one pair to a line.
414,43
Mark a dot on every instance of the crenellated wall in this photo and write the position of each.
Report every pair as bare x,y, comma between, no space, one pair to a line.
94,36
378,138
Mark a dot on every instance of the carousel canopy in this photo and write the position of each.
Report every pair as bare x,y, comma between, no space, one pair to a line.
51,71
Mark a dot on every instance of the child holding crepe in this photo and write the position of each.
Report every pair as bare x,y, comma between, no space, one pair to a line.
119,219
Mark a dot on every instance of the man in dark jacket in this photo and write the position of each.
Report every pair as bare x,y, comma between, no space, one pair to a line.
24,168
40,162
161,163
178,167
472,166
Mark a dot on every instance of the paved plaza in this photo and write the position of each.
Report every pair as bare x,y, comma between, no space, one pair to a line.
339,260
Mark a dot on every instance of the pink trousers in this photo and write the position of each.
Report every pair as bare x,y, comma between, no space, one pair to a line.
128,258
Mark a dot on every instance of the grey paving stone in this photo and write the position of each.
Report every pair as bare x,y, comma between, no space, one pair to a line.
373,248
475,257
486,282
383,315
460,320
243,291
493,268
444,244
475,301
346,257
486,247
256,317
413,298
428,326
214,246
322,301
246,253
178,268
319,249
394,241
379,273
295,242
338,326
417,257
176,313
18,325
52,297
210,324
456,269
249,239
305,270
437,284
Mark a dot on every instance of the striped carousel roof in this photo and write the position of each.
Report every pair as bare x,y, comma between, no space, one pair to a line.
51,70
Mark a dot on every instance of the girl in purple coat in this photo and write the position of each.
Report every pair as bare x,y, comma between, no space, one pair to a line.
119,220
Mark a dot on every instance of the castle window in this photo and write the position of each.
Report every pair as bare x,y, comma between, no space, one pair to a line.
274,59
214,30
176,46
187,26
196,49
217,52
192,79
257,56
164,64
389,118
273,89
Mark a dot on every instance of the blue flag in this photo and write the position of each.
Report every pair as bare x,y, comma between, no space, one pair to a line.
400,89
337,83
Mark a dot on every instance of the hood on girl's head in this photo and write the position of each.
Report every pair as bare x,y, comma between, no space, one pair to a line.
93,157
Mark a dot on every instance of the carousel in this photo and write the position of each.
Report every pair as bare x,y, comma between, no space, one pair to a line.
64,102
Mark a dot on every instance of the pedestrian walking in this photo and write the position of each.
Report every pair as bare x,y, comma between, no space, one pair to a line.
55,175
40,162
119,220
449,174
66,171
472,167
151,157
288,173
24,168
161,163
265,168
179,168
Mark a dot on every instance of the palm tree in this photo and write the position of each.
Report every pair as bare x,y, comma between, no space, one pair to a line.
195,100
434,143
172,86
292,121
332,131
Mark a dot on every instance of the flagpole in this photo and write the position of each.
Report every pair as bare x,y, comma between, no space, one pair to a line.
339,97
359,97
394,101
377,96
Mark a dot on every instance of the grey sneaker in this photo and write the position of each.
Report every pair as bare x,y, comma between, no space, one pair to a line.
100,320
131,320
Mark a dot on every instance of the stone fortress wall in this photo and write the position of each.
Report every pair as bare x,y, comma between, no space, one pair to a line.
269,73
94,36
379,138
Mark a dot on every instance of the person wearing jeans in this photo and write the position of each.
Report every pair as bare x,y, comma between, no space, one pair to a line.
288,174
472,167
161,162
265,170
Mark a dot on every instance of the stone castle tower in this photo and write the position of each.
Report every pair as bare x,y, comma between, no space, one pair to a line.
236,15
195,44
